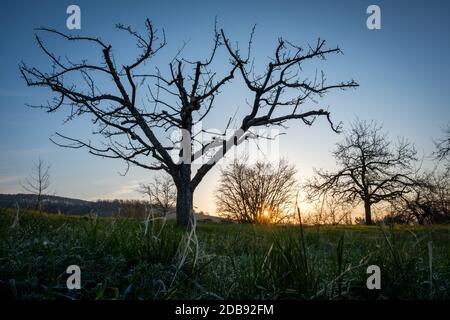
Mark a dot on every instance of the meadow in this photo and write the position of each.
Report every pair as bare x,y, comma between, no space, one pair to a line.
124,258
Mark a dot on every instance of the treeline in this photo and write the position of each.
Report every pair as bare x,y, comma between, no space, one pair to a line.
69,206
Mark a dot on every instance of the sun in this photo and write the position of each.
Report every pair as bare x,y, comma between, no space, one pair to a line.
266,216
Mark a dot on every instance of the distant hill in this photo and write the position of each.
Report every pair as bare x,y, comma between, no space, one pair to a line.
29,200
71,206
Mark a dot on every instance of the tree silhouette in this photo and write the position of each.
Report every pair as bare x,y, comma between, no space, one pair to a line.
162,193
259,193
133,124
329,210
442,152
38,182
370,169
429,200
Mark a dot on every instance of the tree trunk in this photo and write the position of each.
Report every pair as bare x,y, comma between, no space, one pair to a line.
185,193
367,211
39,203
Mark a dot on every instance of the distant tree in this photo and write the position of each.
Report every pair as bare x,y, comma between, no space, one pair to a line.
369,169
38,182
134,106
428,202
257,193
442,152
329,210
161,192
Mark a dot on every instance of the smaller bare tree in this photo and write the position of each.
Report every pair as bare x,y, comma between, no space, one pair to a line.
442,152
329,210
370,169
38,182
162,193
259,193
429,201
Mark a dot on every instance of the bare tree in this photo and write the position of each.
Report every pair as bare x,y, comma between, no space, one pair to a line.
38,182
429,200
162,193
442,152
329,210
370,169
259,193
135,108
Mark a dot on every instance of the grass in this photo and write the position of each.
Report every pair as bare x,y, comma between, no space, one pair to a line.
124,258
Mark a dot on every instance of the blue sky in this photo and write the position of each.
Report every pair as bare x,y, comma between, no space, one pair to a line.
402,70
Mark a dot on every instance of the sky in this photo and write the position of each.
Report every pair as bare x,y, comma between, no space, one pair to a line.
402,70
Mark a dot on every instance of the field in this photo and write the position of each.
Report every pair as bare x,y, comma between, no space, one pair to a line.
124,258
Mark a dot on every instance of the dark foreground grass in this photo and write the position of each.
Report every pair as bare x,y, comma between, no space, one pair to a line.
134,259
